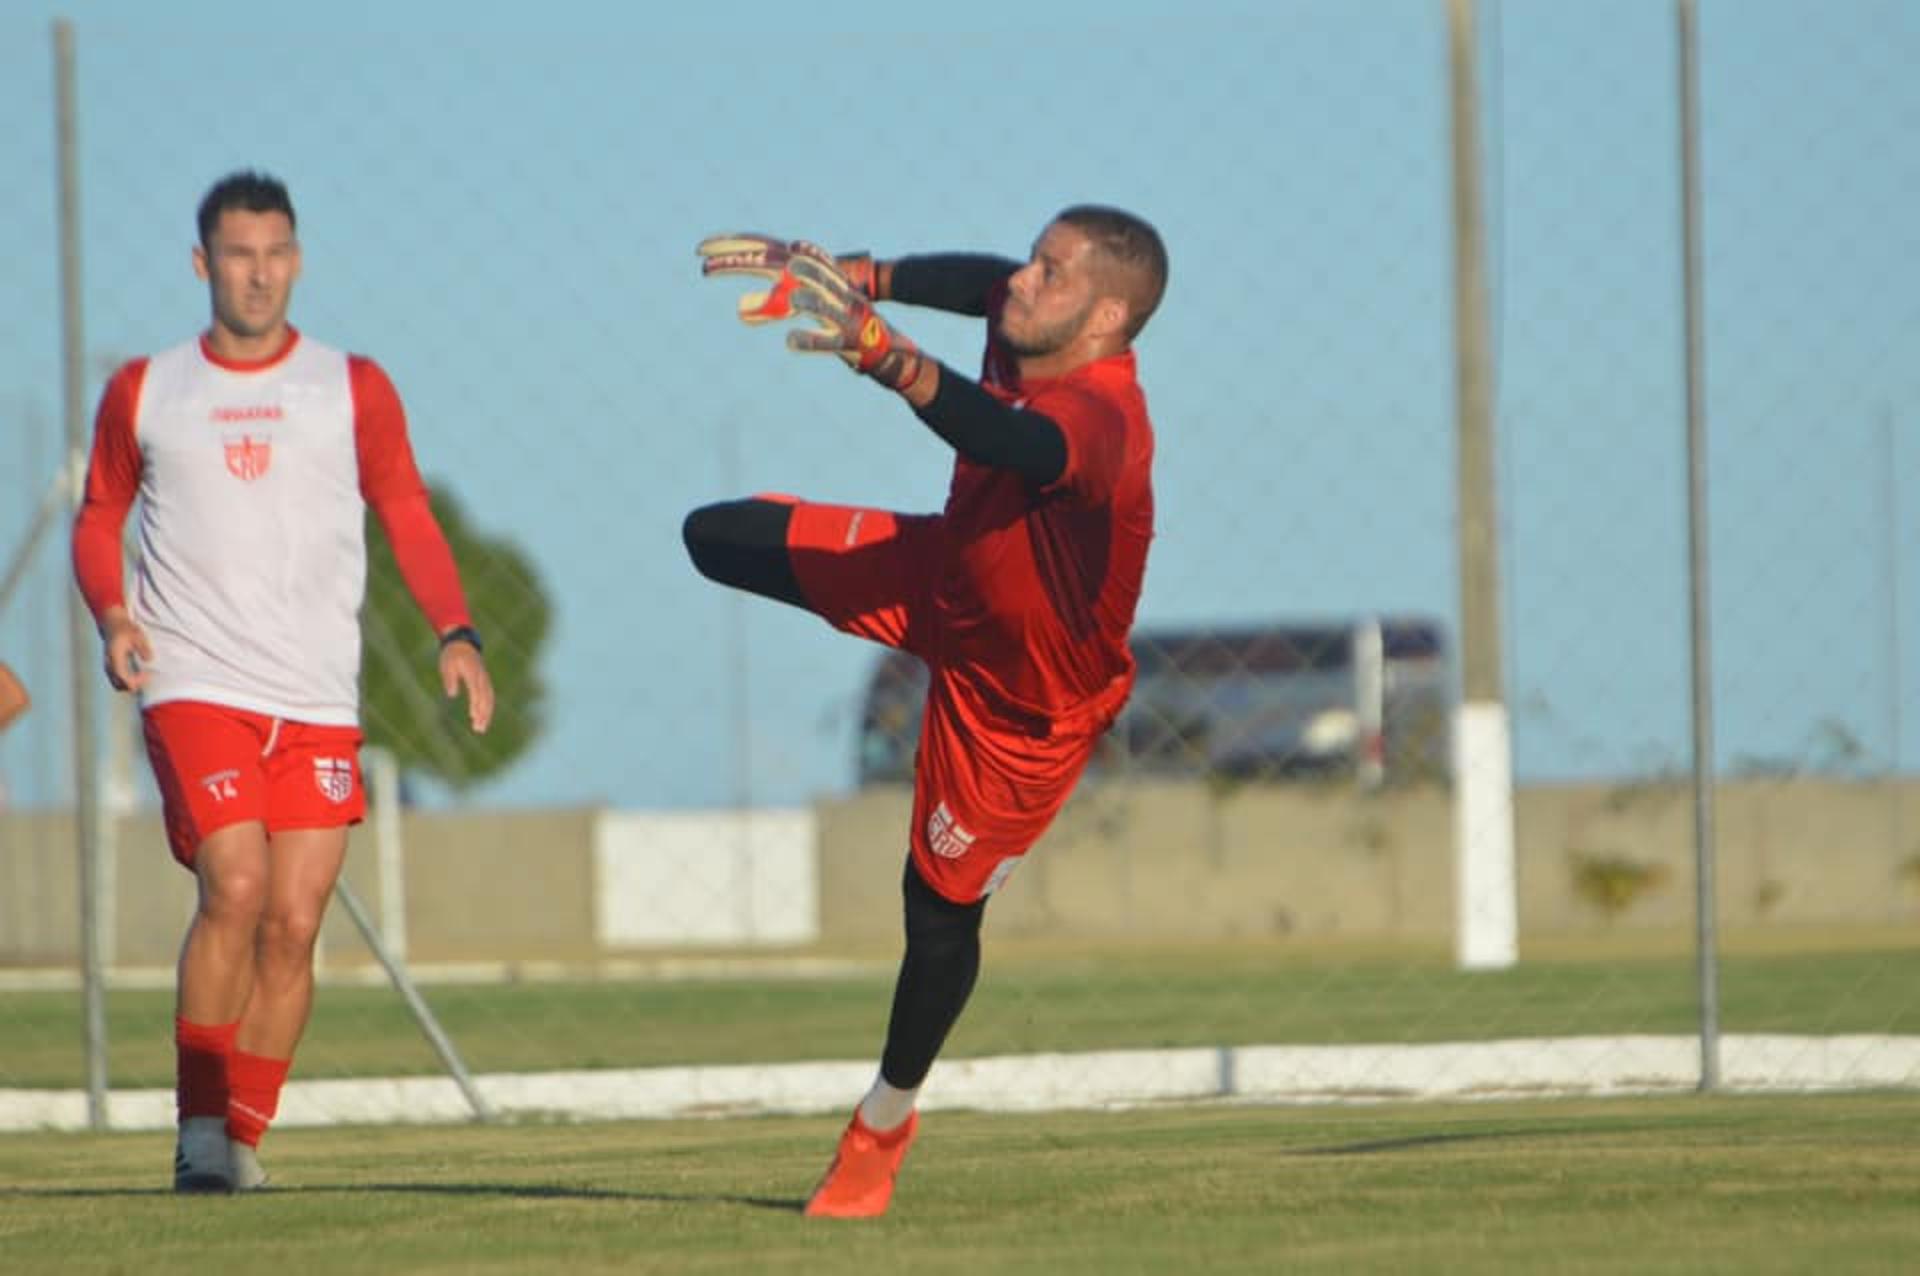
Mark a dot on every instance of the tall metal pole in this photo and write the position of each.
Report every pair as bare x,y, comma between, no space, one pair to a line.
1890,772
1486,921
1705,926
1890,514
86,777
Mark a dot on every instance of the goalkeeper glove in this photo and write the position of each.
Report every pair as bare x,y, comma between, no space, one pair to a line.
761,255
771,259
848,324
862,272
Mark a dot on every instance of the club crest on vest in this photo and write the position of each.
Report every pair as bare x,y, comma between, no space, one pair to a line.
248,456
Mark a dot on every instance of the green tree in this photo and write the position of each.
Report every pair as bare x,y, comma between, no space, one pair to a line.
405,709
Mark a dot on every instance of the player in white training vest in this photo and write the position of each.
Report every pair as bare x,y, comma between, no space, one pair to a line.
254,452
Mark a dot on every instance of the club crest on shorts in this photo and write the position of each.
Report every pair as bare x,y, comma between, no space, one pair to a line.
334,778
945,837
248,455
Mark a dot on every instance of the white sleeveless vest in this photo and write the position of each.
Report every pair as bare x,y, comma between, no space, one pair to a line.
252,560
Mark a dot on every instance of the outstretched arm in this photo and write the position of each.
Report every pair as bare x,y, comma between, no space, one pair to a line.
959,283
839,295
979,426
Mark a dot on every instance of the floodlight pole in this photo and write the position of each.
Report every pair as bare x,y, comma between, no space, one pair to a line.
1699,613
86,770
1486,908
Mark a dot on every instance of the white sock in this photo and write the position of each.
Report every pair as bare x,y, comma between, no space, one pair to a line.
245,1166
885,1106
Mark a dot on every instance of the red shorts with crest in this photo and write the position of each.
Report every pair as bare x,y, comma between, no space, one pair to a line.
218,766
987,780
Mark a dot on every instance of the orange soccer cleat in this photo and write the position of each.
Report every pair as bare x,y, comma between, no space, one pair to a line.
859,1183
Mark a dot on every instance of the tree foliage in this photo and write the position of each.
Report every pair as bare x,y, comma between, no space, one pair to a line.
404,708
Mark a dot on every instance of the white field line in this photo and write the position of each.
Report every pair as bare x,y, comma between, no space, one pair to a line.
665,969
1522,1068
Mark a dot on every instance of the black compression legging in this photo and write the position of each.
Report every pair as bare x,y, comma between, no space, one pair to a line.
936,978
744,544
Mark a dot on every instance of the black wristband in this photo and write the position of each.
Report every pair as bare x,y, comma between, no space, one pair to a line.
462,633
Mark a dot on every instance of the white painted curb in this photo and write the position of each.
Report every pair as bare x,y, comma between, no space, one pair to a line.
1533,1067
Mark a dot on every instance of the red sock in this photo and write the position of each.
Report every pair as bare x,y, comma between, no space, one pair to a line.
255,1082
201,1066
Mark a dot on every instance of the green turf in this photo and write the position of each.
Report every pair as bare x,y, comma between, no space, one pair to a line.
1691,1184
1024,1002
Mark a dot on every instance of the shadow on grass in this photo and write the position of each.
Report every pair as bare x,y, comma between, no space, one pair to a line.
1411,1141
516,1191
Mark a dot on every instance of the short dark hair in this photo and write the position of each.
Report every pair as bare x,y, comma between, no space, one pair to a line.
1132,245
247,189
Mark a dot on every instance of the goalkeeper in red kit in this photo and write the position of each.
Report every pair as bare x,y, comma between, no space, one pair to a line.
1019,595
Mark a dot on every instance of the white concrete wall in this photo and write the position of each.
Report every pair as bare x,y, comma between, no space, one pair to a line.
705,877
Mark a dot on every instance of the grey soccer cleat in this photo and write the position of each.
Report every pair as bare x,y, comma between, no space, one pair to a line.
201,1162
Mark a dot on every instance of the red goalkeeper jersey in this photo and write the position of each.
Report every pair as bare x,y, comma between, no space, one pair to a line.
1037,592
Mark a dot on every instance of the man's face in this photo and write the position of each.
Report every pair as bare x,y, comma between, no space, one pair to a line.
250,263
1050,298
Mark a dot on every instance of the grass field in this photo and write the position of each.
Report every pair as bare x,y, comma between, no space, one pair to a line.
1827,1184
1027,1001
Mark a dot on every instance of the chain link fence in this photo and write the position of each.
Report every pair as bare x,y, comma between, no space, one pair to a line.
676,859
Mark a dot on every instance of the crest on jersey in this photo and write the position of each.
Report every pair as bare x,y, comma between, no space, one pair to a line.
334,778
248,455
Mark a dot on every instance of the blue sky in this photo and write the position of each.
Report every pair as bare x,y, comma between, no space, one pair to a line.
502,210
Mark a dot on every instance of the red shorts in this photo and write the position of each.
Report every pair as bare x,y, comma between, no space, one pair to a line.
986,782
218,766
